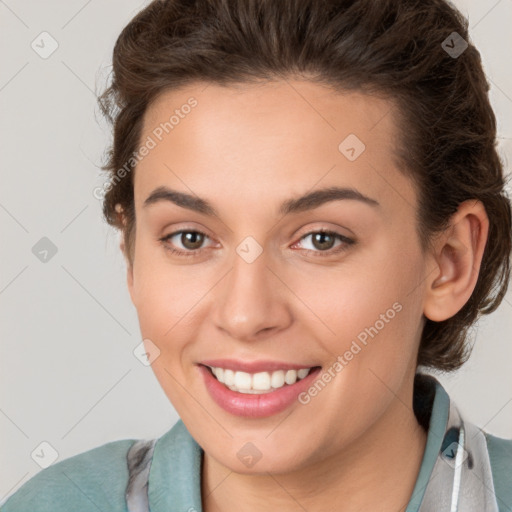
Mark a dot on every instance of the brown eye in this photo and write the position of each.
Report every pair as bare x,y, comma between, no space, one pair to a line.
324,243
184,242
323,240
191,239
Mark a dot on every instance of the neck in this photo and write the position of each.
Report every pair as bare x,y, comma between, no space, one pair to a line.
377,471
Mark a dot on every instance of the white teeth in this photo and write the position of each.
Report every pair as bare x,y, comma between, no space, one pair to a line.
290,377
229,377
218,372
301,373
277,379
243,380
261,382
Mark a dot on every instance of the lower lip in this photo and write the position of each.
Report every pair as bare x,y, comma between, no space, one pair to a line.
252,405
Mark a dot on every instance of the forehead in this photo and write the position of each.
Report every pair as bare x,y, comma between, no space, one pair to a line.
287,134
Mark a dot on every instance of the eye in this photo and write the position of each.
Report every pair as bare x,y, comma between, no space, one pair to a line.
191,240
322,242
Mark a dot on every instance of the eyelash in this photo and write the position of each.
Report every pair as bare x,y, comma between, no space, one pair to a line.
191,253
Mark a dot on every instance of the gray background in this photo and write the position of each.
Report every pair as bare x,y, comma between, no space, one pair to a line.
68,328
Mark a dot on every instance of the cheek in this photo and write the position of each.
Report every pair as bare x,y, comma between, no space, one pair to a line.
368,309
339,303
163,291
352,295
170,302
167,302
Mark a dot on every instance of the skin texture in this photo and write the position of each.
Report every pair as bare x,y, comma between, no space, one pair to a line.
246,149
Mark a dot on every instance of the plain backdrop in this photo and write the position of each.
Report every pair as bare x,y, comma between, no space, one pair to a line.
68,329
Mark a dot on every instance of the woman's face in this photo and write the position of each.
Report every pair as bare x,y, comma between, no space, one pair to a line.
262,285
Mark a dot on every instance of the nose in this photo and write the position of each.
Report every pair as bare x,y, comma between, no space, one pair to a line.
251,302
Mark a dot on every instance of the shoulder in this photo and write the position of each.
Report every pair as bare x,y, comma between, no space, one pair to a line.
500,455
92,480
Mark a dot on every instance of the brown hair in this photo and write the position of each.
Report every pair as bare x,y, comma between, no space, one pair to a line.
393,48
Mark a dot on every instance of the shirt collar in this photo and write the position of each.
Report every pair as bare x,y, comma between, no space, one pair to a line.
439,411
175,474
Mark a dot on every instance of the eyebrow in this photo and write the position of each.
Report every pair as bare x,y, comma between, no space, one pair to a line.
308,201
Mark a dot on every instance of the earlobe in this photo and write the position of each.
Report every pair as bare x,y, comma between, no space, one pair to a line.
129,270
457,255
129,281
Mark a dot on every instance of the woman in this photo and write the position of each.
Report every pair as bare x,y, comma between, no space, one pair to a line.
312,208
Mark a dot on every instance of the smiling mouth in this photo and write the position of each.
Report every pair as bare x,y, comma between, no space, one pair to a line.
259,382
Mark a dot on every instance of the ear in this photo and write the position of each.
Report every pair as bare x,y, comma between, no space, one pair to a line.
457,256
129,270
129,281
129,267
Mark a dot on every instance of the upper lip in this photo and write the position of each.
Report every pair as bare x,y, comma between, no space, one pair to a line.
254,366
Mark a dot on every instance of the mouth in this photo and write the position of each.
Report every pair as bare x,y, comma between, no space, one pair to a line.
256,394
259,382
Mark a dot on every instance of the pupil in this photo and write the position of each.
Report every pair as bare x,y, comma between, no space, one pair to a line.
191,240
321,238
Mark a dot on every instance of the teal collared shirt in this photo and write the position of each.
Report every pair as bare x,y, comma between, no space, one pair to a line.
96,480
